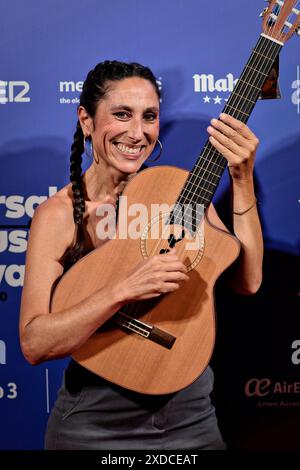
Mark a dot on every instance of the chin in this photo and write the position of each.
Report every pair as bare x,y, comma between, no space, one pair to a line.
131,166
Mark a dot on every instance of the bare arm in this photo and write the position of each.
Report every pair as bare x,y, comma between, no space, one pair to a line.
47,335
44,336
246,273
238,145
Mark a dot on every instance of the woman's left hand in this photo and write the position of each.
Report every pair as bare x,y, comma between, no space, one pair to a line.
237,143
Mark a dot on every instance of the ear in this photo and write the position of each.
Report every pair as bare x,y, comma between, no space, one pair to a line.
85,120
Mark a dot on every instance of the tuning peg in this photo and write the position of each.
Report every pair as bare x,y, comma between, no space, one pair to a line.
263,12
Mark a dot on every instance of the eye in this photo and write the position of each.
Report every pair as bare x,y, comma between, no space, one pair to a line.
122,115
150,116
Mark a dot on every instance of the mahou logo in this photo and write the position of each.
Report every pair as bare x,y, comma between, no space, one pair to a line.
213,88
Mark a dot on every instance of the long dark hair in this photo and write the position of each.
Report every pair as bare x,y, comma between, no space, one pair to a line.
93,90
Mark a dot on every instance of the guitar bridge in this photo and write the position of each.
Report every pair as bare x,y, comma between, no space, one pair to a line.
146,330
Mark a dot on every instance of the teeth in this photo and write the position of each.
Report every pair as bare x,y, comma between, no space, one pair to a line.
130,150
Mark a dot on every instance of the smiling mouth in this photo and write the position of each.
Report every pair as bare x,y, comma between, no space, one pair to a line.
129,151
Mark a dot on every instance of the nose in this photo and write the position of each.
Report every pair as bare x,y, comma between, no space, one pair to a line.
136,129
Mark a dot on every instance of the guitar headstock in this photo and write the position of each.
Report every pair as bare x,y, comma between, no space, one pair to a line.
281,19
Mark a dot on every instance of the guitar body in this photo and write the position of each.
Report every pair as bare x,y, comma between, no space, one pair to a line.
125,357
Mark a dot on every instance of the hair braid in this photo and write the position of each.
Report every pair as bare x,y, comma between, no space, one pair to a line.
77,149
75,252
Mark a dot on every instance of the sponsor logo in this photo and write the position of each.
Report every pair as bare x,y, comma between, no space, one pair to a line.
2,352
296,93
71,90
9,391
212,90
296,354
271,393
17,206
12,238
14,92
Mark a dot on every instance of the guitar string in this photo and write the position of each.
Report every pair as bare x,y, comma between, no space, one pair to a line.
232,102
187,192
211,151
197,185
135,306
236,104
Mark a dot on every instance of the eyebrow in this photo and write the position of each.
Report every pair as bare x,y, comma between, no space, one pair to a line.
128,108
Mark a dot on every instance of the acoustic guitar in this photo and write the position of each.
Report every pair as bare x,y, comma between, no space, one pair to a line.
162,345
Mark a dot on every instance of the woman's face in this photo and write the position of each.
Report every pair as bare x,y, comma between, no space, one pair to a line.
126,124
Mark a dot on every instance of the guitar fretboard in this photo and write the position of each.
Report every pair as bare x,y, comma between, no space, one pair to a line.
206,173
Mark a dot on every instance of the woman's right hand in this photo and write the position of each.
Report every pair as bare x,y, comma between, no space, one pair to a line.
152,277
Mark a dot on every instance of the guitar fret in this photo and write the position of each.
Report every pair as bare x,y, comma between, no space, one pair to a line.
238,110
212,161
202,180
262,55
205,189
194,194
241,96
249,84
258,71
211,172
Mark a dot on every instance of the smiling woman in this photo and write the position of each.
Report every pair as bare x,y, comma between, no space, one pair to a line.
125,127
119,115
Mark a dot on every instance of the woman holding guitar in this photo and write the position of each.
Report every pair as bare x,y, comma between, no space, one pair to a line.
119,115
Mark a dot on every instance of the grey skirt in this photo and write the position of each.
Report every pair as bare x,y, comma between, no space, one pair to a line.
92,413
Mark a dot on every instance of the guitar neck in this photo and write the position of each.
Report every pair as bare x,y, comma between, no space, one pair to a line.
206,174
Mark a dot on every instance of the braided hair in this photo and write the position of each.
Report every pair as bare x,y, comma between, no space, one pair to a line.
94,89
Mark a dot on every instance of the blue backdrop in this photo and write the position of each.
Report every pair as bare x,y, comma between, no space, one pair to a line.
46,50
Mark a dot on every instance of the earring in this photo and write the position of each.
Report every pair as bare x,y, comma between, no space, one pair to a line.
160,152
89,153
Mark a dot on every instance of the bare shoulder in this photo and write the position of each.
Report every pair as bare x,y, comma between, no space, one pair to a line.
59,205
54,218
51,233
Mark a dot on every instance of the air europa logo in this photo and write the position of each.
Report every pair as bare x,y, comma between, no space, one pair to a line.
261,387
212,88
